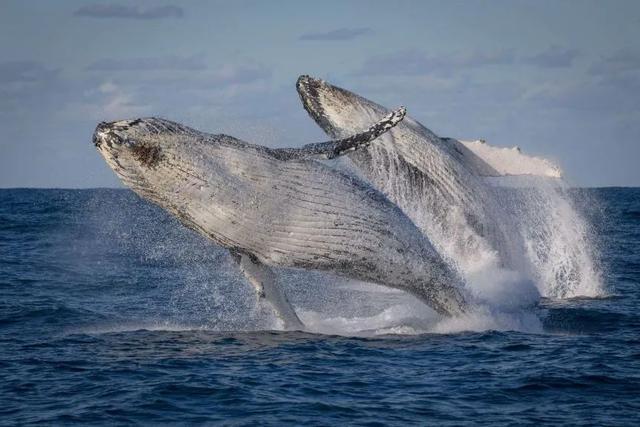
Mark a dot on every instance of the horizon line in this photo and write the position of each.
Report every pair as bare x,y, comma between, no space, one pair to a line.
128,189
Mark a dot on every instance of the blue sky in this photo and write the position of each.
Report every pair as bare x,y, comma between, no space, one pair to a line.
557,78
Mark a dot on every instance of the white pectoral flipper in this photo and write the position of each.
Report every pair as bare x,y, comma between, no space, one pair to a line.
265,282
332,149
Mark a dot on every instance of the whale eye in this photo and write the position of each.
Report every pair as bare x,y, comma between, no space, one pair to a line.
146,154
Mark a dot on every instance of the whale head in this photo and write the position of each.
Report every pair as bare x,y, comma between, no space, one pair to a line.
140,151
337,111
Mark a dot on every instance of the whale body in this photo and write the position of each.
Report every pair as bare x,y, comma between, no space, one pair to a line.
280,207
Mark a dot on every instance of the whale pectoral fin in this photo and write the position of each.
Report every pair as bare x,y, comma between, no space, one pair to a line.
265,283
332,149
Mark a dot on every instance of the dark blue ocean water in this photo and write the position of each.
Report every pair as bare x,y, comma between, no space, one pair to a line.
112,313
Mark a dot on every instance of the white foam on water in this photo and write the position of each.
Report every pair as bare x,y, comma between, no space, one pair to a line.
414,320
501,300
405,318
503,289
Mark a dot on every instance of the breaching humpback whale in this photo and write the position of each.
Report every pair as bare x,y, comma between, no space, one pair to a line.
437,182
280,207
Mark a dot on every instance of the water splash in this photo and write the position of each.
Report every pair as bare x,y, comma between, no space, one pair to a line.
525,240
528,225
559,248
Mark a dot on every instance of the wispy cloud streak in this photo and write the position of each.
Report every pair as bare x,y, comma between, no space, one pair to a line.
105,11
554,57
417,63
340,34
171,62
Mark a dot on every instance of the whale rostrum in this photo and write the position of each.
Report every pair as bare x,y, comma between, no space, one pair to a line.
280,208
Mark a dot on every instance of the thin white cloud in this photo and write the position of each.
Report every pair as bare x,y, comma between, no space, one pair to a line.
622,61
553,57
171,62
412,62
24,71
417,63
111,10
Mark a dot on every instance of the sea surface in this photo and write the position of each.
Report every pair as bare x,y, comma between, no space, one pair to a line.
112,313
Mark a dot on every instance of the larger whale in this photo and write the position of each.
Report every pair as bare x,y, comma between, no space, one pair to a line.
280,207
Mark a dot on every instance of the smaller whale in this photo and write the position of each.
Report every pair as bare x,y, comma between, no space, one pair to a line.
280,207
437,182
451,190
